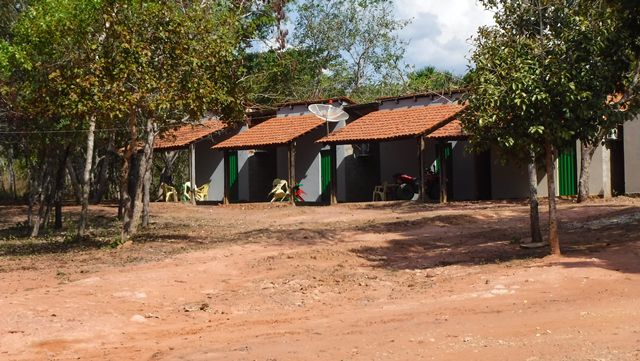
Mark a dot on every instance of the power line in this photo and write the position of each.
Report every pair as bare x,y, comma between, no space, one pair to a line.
58,131
26,132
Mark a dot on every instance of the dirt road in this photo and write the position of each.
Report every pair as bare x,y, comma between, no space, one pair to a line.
394,281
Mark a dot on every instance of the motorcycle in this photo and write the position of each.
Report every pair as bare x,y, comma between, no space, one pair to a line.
408,186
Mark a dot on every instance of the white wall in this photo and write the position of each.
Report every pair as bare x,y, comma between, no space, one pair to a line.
342,152
511,180
632,156
243,175
210,169
599,172
308,164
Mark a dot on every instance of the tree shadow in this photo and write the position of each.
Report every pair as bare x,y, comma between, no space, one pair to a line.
15,237
418,206
434,241
285,237
49,245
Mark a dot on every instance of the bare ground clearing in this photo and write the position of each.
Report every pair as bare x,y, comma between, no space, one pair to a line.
384,281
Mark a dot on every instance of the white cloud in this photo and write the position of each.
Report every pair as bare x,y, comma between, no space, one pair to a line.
439,32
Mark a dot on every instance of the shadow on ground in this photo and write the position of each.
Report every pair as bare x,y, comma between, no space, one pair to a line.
465,233
611,236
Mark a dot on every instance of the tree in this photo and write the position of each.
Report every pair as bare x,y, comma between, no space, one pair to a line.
602,60
532,89
277,76
429,78
53,77
9,13
628,15
170,64
74,66
355,42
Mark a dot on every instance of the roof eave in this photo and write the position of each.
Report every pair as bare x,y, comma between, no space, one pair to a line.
425,133
270,145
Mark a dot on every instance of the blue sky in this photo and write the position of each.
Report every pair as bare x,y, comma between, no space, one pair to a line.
439,32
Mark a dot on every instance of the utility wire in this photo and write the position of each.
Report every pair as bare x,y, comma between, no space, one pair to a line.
18,132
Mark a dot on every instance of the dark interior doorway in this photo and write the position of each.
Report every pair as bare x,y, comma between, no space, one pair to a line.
262,172
616,146
483,175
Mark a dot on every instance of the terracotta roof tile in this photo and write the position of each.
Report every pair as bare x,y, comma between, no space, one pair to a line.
394,124
274,131
451,130
183,136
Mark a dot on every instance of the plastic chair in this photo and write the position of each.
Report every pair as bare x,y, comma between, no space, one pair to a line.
280,190
202,192
380,191
169,192
186,192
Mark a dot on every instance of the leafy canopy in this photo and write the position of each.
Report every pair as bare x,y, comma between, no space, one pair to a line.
543,74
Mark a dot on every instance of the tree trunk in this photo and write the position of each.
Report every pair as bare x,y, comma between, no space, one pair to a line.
145,199
134,212
148,176
586,155
2,187
192,173
75,182
31,201
125,198
37,218
534,216
12,175
86,178
142,170
551,155
47,214
120,203
40,184
103,175
59,189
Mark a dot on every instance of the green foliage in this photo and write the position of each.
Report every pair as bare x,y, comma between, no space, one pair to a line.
543,73
10,10
277,76
355,44
124,63
429,78
70,60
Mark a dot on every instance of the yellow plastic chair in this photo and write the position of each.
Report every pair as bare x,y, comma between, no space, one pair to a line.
169,192
202,192
280,190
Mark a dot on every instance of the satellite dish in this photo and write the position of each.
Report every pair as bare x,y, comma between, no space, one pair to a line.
328,112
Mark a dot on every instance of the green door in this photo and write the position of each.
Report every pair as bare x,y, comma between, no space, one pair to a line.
233,174
325,175
448,158
567,183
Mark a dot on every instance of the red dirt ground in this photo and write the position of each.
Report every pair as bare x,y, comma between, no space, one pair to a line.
384,281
